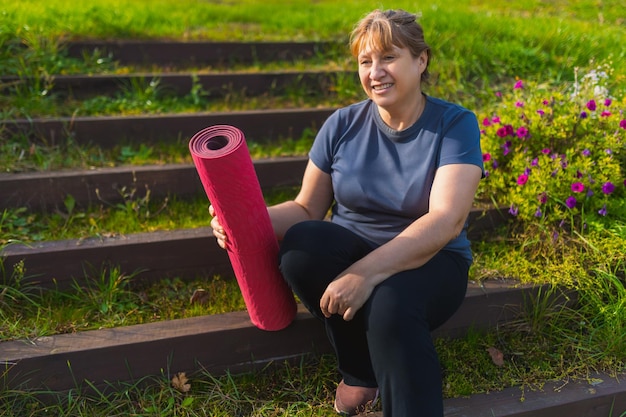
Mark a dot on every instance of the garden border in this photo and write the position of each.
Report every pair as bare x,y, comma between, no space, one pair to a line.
184,253
108,131
214,343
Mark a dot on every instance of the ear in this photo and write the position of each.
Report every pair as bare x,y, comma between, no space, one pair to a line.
423,58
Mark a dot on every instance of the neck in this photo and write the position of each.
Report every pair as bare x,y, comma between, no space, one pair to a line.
405,116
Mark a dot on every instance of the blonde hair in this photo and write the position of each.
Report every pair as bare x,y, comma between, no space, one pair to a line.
381,30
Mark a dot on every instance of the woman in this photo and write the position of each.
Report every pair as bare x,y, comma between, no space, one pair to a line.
399,171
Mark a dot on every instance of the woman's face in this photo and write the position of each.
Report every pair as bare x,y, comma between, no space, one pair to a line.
391,78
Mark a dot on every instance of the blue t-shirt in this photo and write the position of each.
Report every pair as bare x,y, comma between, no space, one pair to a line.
382,177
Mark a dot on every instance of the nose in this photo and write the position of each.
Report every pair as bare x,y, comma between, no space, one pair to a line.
377,71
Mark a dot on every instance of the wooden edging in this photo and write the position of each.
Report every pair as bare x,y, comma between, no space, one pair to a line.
601,395
214,343
183,253
214,84
108,131
193,53
48,190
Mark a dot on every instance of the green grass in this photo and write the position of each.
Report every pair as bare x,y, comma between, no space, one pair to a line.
478,48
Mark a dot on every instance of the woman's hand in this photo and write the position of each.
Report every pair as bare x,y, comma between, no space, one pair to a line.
346,295
218,230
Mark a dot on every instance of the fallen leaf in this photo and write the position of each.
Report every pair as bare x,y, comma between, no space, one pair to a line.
179,382
497,357
199,296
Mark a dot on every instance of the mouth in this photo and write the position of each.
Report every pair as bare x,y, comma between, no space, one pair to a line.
381,87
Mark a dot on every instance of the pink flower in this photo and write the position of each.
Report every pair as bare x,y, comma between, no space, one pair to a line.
519,84
591,105
486,157
605,113
502,132
545,151
522,179
522,132
495,119
486,122
519,104
578,187
622,124
608,102
498,94
540,112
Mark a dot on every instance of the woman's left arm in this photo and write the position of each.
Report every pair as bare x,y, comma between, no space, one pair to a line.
451,199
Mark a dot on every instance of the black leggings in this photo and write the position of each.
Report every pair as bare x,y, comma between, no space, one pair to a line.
388,343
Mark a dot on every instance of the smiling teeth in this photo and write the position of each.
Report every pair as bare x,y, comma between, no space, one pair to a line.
382,86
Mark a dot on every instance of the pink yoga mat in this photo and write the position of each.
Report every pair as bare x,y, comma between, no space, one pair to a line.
223,162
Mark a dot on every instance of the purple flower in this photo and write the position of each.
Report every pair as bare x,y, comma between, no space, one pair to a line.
538,212
586,152
498,94
519,84
546,102
583,114
608,187
570,201
522,132
602,211
522,179
591,105
608,102
501,132
578,187
519,104
534,162
540,112
622,124
545,151
509,129
513,210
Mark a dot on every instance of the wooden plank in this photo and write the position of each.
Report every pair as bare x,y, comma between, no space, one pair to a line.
48,190
215,343
176,54
572,398
217,85
185,253
108,131
601,396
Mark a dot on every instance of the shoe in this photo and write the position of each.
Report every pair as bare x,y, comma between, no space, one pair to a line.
350,400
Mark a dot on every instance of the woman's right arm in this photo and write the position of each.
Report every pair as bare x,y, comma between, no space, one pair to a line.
312,203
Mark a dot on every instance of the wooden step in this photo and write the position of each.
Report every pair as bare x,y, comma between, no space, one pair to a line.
216,85
168,53
184,253
214,343
47,190
108,131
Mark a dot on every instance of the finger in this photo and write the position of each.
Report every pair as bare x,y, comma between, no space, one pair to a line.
349,314
211,210
324,301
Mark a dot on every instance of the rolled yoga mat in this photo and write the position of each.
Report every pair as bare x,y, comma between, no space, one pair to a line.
227,173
